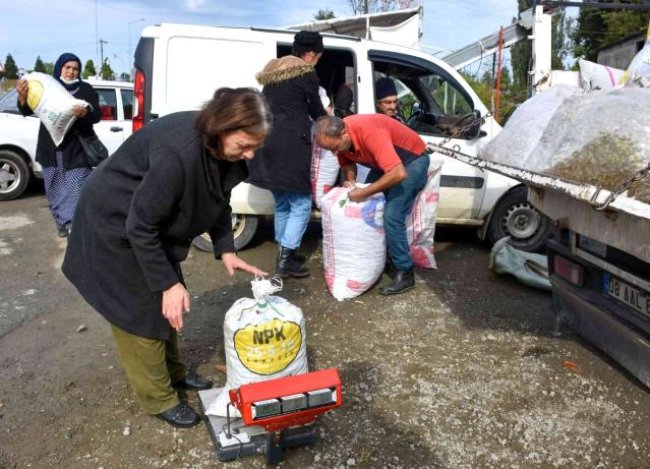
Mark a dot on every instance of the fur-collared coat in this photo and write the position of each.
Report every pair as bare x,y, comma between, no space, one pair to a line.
291,89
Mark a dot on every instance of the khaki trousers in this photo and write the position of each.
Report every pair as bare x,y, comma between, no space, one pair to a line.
151,366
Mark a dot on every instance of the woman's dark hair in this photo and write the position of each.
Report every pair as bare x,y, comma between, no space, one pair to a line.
232,109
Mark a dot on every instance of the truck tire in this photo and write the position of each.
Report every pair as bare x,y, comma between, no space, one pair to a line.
514,216
14,175
243,230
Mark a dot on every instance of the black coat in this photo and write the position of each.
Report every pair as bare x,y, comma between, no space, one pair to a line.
284,163
73,153
137,216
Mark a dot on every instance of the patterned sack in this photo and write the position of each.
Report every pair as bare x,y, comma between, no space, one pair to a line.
324,172
421,222
354,243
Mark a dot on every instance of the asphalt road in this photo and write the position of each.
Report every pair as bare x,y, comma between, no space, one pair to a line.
463,371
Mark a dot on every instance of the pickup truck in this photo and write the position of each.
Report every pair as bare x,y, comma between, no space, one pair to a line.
598,254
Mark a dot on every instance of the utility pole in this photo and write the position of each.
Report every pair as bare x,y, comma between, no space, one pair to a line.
101,48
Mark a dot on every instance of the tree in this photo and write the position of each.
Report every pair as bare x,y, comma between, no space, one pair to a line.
89,69
597,28
11,70
39,66
324,15
106,73
363,7
521,55
49,67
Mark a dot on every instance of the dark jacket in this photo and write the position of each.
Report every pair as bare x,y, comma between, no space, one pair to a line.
291,89
73,153
137,216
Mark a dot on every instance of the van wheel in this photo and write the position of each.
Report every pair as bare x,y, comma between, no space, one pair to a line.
243,230
14,175
514,216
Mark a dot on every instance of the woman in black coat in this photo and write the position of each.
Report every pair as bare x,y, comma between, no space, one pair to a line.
134,224
283,165
65,167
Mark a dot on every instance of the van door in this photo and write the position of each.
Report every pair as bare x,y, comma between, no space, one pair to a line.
111,127
428,97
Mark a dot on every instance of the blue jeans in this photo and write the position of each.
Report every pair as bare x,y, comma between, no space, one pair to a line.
292,213
399,203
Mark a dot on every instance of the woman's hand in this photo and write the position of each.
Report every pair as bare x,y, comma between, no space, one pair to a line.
21,89
175,302
80,111
232,262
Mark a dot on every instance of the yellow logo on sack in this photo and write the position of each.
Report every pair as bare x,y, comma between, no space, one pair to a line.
34,93
269,347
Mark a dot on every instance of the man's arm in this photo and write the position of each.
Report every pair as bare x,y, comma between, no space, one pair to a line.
388,180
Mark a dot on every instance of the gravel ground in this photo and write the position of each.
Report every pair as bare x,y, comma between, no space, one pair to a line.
462,372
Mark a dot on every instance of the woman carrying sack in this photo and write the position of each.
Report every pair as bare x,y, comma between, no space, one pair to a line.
65,167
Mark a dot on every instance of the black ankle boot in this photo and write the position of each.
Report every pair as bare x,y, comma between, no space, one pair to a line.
404,280
288,266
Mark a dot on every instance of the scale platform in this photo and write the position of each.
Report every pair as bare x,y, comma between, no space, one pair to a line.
248,440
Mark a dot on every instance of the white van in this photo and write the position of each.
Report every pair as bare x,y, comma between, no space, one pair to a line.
178,67
19,134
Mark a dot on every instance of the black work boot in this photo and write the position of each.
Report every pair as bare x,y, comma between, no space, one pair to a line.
404,280
288,266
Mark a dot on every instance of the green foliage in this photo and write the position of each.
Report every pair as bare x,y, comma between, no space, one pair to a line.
39,66
106,73
11,69
89,69
598,28
324,15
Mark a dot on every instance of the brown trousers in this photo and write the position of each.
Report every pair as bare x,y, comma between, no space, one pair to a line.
151,366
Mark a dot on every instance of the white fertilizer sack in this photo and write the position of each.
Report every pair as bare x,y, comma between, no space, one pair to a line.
52,104
264,338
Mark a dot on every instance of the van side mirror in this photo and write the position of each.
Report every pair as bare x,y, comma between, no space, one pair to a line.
474,126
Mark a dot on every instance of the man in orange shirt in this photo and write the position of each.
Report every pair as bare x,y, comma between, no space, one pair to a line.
399,165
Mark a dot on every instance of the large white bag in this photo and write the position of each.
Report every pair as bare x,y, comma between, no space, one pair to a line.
264,338
52,104
638,73
515,144
354,243
324,172
595,76
421,222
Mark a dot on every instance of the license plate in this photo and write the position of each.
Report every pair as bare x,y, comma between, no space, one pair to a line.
631,296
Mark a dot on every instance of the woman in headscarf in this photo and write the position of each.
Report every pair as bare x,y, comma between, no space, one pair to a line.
65,167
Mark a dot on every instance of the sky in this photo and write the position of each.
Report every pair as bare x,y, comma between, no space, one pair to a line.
47,28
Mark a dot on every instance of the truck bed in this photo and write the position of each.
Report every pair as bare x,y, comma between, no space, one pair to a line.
623,224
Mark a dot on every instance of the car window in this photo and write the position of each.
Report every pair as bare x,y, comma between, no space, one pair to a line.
428,100
107,103
127,103
8,102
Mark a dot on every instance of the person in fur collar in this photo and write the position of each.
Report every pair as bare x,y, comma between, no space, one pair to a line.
283,164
